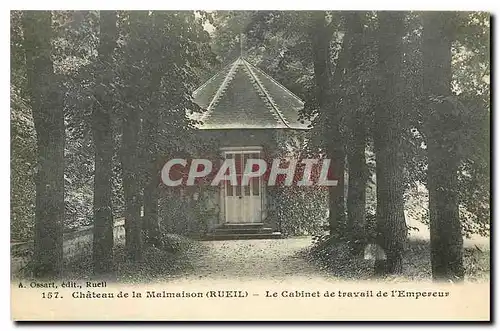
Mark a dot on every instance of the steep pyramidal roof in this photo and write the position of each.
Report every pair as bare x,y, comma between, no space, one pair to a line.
242,96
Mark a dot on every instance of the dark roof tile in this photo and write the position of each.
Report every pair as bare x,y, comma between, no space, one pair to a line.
243,96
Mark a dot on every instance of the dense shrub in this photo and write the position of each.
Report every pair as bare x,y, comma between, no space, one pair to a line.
298,210
186,212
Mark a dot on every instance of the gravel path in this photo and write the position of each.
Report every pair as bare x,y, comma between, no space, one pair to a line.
276,259
264,259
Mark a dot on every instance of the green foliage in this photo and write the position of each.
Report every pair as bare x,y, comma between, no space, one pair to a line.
181,213
23,162
471,80
299,210
275,41
23,142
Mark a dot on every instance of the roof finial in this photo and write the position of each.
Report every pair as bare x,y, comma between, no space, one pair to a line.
241,44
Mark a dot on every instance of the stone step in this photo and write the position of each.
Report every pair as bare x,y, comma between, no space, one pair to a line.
241,225
241,236
224,230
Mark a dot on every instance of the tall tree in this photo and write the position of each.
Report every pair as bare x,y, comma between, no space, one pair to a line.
388,127
132,26
161,56
328,100
358,172
150,136
151,174
178,51
443,123
48,115
104,145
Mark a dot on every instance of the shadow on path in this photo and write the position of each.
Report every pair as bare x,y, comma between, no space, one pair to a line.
265,259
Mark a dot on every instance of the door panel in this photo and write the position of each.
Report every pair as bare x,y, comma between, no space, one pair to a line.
243,203
232,198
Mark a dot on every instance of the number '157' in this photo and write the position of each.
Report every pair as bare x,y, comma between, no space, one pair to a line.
50,295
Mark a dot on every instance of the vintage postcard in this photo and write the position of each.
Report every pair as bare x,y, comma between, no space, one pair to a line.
250,165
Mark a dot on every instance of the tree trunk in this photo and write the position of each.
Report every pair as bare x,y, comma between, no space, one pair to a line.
358,172
336,200
321,36
391,225
356,196
446,231
151,132
152,180
131,156
103,142
337,145
48,115
131,183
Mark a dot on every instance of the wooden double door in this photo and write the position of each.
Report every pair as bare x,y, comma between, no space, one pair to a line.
243,203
